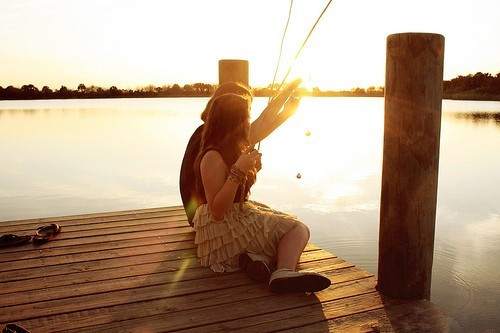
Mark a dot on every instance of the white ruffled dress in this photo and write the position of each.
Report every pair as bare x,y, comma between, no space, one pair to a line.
253,228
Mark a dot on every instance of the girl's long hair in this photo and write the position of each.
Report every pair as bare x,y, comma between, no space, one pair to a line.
226,130
226,126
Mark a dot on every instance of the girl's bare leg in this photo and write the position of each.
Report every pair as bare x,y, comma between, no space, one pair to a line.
285,278
292,245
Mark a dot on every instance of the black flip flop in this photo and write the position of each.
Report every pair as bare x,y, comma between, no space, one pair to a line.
13,240
46,233
14,328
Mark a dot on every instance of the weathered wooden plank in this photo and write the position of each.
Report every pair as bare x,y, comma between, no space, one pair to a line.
415,316
95,255
174,220
55,219
31,253
29,273
175,307
288,319
91,301
22,260
62,240
186,273
67,322
149,288
70,274
109,283
158,225
243,314
113,273
58,243
44,282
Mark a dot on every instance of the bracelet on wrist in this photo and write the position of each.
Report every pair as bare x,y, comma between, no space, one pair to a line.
237,176
234,179
235,170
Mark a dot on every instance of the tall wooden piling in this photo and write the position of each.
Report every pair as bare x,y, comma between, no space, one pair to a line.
233,70
413,95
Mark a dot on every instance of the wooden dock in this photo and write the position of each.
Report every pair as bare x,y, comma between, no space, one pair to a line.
136,271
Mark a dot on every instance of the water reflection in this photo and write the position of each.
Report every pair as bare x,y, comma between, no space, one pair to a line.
95,158
480,117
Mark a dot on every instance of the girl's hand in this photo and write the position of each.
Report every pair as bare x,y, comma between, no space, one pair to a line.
247,160
292,104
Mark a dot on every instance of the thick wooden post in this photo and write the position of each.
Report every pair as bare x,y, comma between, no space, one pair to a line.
413,94
233,70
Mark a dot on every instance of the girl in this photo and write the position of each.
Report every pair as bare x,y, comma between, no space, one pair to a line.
228,226
269,120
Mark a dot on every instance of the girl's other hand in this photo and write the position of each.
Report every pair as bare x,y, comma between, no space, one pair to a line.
258,163
291,87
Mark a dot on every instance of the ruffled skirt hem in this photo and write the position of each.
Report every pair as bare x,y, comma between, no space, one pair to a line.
252,227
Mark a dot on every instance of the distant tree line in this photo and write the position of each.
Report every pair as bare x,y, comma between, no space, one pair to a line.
478,86
29,91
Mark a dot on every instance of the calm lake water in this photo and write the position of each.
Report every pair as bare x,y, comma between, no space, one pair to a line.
61,157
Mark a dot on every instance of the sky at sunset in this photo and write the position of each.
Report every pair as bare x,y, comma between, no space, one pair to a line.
136,43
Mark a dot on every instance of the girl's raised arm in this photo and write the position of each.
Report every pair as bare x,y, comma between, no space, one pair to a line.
262,126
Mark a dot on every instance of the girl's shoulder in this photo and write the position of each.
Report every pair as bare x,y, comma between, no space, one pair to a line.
213,157
212,164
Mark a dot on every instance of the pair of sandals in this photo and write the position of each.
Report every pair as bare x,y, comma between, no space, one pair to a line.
260,268
42,235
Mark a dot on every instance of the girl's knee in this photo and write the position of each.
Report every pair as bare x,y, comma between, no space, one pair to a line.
305,229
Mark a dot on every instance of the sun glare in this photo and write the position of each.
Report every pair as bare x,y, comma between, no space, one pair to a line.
327,143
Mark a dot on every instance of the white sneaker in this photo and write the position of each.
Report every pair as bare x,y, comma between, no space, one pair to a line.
287,280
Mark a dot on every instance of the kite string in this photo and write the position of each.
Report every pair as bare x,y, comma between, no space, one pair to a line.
296,55
279,58
281,48
303,44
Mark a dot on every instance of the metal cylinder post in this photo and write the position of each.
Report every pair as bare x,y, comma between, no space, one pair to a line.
412,124
233,70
